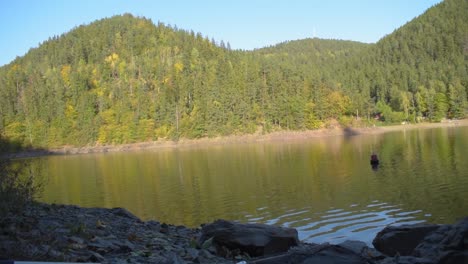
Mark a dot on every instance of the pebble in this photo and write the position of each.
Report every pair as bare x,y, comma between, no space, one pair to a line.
70,233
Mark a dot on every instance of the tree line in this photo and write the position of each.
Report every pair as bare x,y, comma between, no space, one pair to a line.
126,79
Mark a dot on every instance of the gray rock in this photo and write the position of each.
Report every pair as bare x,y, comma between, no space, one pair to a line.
405,260
206,254
95,257
445,242
454,257
253,239
174,259
401,240
357,247
153,225
75,239
102,246
316,254
372,253
335,254
363,250
54,254
124,212
83,256
192,253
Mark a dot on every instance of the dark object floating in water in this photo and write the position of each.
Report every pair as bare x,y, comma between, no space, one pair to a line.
374,161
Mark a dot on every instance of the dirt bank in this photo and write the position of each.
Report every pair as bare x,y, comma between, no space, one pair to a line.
236,139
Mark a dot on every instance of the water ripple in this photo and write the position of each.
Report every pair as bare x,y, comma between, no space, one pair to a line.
358,221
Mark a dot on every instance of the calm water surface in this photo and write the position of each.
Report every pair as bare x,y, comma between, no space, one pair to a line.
325,188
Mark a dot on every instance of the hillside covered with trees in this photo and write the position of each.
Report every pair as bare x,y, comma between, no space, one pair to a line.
125,79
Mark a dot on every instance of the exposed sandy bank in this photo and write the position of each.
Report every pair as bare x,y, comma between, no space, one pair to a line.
271,137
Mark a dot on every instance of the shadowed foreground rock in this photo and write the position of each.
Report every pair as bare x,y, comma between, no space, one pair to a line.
253,239
401,240
45,232
316,253
447,244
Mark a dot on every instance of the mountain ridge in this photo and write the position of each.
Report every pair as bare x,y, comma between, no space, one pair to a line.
125,79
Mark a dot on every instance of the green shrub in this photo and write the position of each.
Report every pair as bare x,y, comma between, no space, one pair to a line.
17,186
346,121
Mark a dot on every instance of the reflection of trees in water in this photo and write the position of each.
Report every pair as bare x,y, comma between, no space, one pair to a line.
422,170
266,180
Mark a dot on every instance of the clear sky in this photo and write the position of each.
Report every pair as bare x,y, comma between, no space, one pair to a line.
245,24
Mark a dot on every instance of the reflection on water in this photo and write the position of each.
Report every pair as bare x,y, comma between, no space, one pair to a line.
323,187
356,222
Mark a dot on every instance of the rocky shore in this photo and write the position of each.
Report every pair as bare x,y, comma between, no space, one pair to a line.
44,232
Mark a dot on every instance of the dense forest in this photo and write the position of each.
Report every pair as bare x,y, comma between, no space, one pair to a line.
125,79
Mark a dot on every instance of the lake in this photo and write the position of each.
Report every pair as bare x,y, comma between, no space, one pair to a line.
323,187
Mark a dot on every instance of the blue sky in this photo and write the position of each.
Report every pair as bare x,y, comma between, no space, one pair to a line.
245,24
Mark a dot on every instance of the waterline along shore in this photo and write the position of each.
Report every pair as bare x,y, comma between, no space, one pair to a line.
235,139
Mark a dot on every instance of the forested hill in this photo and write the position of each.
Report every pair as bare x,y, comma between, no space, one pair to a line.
314,59
314,50
418,71
125,79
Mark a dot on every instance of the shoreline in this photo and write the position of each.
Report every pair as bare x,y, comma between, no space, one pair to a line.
68,233
233,139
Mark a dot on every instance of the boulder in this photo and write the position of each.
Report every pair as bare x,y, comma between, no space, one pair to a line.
401,240
405,260
253,239
449,243
453,257
315,254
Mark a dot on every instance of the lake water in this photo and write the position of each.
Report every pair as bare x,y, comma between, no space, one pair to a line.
325,188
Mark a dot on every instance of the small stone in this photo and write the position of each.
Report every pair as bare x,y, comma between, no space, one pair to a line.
102,246
96,257
207,243
62,231
205,253
133,237
54,254
100,224
153,225
75,239
77,246
174,259
372,253
123,212
192,253
124,246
